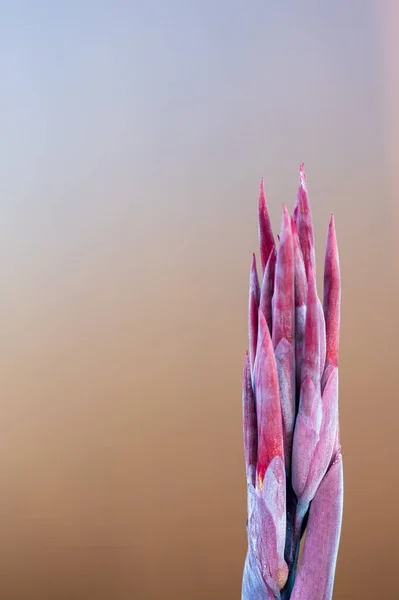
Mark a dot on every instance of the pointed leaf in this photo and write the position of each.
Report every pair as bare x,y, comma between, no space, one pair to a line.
265,232
249,422
268,409
254,299
303,219
300,303
266,294
308,423
332,297
283,324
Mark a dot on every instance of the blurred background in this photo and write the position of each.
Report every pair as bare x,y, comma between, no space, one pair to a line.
133,139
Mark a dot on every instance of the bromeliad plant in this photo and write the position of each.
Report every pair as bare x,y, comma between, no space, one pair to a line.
290,413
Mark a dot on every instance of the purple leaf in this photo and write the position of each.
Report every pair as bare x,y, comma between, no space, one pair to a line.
268,289
249,422
303,220
265,232
268,408
254,298
332,299
315,575
284,331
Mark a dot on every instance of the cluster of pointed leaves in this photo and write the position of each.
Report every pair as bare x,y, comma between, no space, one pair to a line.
290,412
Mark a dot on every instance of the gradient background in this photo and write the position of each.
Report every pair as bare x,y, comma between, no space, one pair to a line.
133,138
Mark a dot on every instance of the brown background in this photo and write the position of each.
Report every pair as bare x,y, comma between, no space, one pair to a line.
133,141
